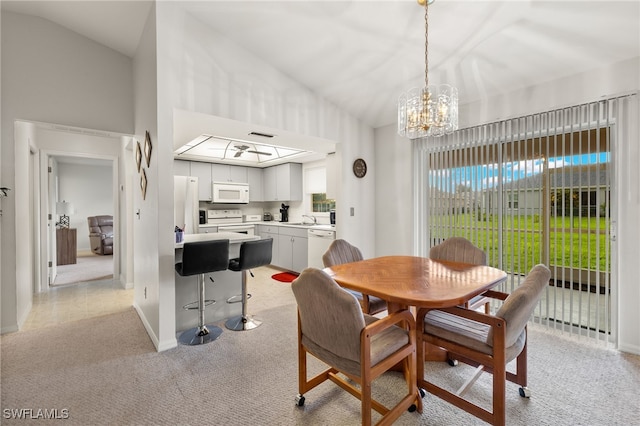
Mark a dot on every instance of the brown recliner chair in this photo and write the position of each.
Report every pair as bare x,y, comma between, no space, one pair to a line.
101,234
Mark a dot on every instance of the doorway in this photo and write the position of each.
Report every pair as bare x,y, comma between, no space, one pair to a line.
79,188
80,168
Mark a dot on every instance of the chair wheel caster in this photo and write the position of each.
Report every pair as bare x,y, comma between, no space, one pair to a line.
299,400
452,362
524,392
422,392
412,408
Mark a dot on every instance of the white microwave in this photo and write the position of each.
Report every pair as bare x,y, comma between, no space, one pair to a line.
230,193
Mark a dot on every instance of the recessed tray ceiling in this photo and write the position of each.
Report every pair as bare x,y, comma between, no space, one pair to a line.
217,148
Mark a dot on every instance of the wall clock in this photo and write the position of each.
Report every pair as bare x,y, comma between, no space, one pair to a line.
359,168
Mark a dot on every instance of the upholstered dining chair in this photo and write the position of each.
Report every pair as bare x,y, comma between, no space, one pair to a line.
488,342
333,328
340,251
459,249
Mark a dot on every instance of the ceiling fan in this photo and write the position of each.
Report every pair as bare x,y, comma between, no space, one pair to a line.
240,149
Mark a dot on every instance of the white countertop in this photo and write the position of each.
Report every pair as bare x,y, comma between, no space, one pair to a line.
325,227
233,237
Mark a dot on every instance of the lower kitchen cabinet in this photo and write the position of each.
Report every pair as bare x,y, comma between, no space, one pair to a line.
292,249
266,231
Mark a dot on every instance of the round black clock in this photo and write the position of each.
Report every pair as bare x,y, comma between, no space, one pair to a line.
359,168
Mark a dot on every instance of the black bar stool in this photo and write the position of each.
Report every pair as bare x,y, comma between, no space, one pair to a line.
252,254
199,258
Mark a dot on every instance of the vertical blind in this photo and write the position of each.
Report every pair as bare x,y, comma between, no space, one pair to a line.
529,190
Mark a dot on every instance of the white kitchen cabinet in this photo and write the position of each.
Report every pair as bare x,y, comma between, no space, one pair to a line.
254,178
238,174
267,231
181,168
283,182
228,173
292,248
203,172
269,183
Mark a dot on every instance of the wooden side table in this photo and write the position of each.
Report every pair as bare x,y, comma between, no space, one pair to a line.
66,246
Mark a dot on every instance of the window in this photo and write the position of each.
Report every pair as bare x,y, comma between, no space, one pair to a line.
320,203
513,201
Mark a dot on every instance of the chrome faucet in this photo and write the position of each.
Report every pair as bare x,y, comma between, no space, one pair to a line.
315,221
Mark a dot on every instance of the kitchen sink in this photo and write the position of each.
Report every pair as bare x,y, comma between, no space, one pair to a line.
299,223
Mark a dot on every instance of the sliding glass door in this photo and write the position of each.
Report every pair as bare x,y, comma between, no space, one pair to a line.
535,189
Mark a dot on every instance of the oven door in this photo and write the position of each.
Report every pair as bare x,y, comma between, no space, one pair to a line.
239,229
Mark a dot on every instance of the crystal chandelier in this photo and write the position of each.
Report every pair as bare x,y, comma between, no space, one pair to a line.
431,110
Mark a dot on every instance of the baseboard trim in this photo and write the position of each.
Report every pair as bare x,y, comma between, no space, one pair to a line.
160,346
632,349
9,329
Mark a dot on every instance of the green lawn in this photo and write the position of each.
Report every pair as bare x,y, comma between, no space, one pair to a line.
573,242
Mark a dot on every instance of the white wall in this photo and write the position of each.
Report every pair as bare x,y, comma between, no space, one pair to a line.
50,74
154,294
1,175
23,286
394,186
202,71
89,188
395,166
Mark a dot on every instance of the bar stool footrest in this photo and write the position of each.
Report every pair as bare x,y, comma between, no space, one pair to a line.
237,298
195,305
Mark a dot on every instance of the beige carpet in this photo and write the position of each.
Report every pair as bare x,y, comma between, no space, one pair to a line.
89,267
105,371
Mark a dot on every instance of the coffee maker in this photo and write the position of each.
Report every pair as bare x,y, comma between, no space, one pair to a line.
284,213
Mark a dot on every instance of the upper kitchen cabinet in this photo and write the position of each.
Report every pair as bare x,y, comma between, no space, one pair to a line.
254,176
203,172
269,183
283,182
227,173
181,168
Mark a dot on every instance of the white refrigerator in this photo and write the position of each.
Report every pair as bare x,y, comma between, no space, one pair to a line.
185,203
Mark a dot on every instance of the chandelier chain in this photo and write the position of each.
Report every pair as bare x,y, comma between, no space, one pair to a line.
426,44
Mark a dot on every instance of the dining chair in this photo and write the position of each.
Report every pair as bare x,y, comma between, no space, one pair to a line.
488,342
340,251
459,249
333,328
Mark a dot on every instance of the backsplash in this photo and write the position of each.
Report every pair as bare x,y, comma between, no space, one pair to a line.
296,210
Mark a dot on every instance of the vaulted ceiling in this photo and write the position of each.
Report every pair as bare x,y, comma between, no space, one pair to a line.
361,54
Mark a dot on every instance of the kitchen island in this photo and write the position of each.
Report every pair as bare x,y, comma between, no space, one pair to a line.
226,283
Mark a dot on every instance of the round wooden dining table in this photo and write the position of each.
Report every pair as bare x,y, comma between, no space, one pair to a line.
405,281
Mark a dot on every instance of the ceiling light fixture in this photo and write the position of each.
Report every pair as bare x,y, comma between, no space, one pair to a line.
264,135
432,110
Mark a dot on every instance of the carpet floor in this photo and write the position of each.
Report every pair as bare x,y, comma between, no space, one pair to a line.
91,267
105,371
